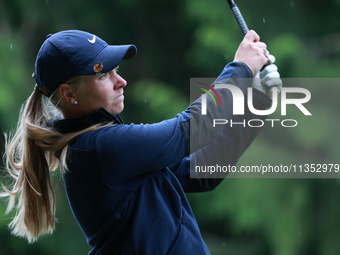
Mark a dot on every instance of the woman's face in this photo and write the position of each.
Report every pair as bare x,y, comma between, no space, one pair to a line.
101,90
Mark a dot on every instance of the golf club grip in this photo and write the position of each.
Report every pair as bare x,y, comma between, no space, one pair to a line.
240,20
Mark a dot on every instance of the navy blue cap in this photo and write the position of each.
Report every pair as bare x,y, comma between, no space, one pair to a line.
73,52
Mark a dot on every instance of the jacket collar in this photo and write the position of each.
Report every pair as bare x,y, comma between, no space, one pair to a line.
73,125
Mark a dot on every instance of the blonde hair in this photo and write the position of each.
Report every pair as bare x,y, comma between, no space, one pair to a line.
29,158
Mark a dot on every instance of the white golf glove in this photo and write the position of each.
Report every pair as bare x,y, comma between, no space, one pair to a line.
267,79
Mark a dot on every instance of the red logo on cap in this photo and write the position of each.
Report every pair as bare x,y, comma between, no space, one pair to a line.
98,67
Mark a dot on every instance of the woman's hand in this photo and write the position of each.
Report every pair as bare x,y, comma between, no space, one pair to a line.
252,52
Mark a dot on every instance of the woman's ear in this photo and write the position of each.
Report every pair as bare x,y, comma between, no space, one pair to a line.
67,93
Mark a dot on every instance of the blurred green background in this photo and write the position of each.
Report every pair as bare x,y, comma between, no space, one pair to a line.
179,39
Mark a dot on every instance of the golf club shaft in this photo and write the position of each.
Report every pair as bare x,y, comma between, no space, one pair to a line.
238,17
242,23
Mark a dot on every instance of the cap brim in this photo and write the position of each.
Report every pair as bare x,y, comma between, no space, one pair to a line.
110,57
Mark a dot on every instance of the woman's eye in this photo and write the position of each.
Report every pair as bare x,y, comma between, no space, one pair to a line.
104,75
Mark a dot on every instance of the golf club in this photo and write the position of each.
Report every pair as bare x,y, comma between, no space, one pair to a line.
238,17
242,23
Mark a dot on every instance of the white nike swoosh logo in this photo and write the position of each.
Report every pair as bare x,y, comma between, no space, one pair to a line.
93,39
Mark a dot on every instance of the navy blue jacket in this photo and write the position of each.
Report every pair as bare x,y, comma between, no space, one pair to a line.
126,184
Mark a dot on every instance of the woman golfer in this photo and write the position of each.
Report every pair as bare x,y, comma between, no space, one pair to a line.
125,183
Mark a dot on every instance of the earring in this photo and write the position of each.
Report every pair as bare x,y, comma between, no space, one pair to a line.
75,102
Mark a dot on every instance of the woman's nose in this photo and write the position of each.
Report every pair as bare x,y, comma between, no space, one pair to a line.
120,82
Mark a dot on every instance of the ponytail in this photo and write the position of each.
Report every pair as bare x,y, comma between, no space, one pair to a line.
27,164
29,158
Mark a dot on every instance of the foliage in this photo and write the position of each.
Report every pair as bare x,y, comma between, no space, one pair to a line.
196,38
